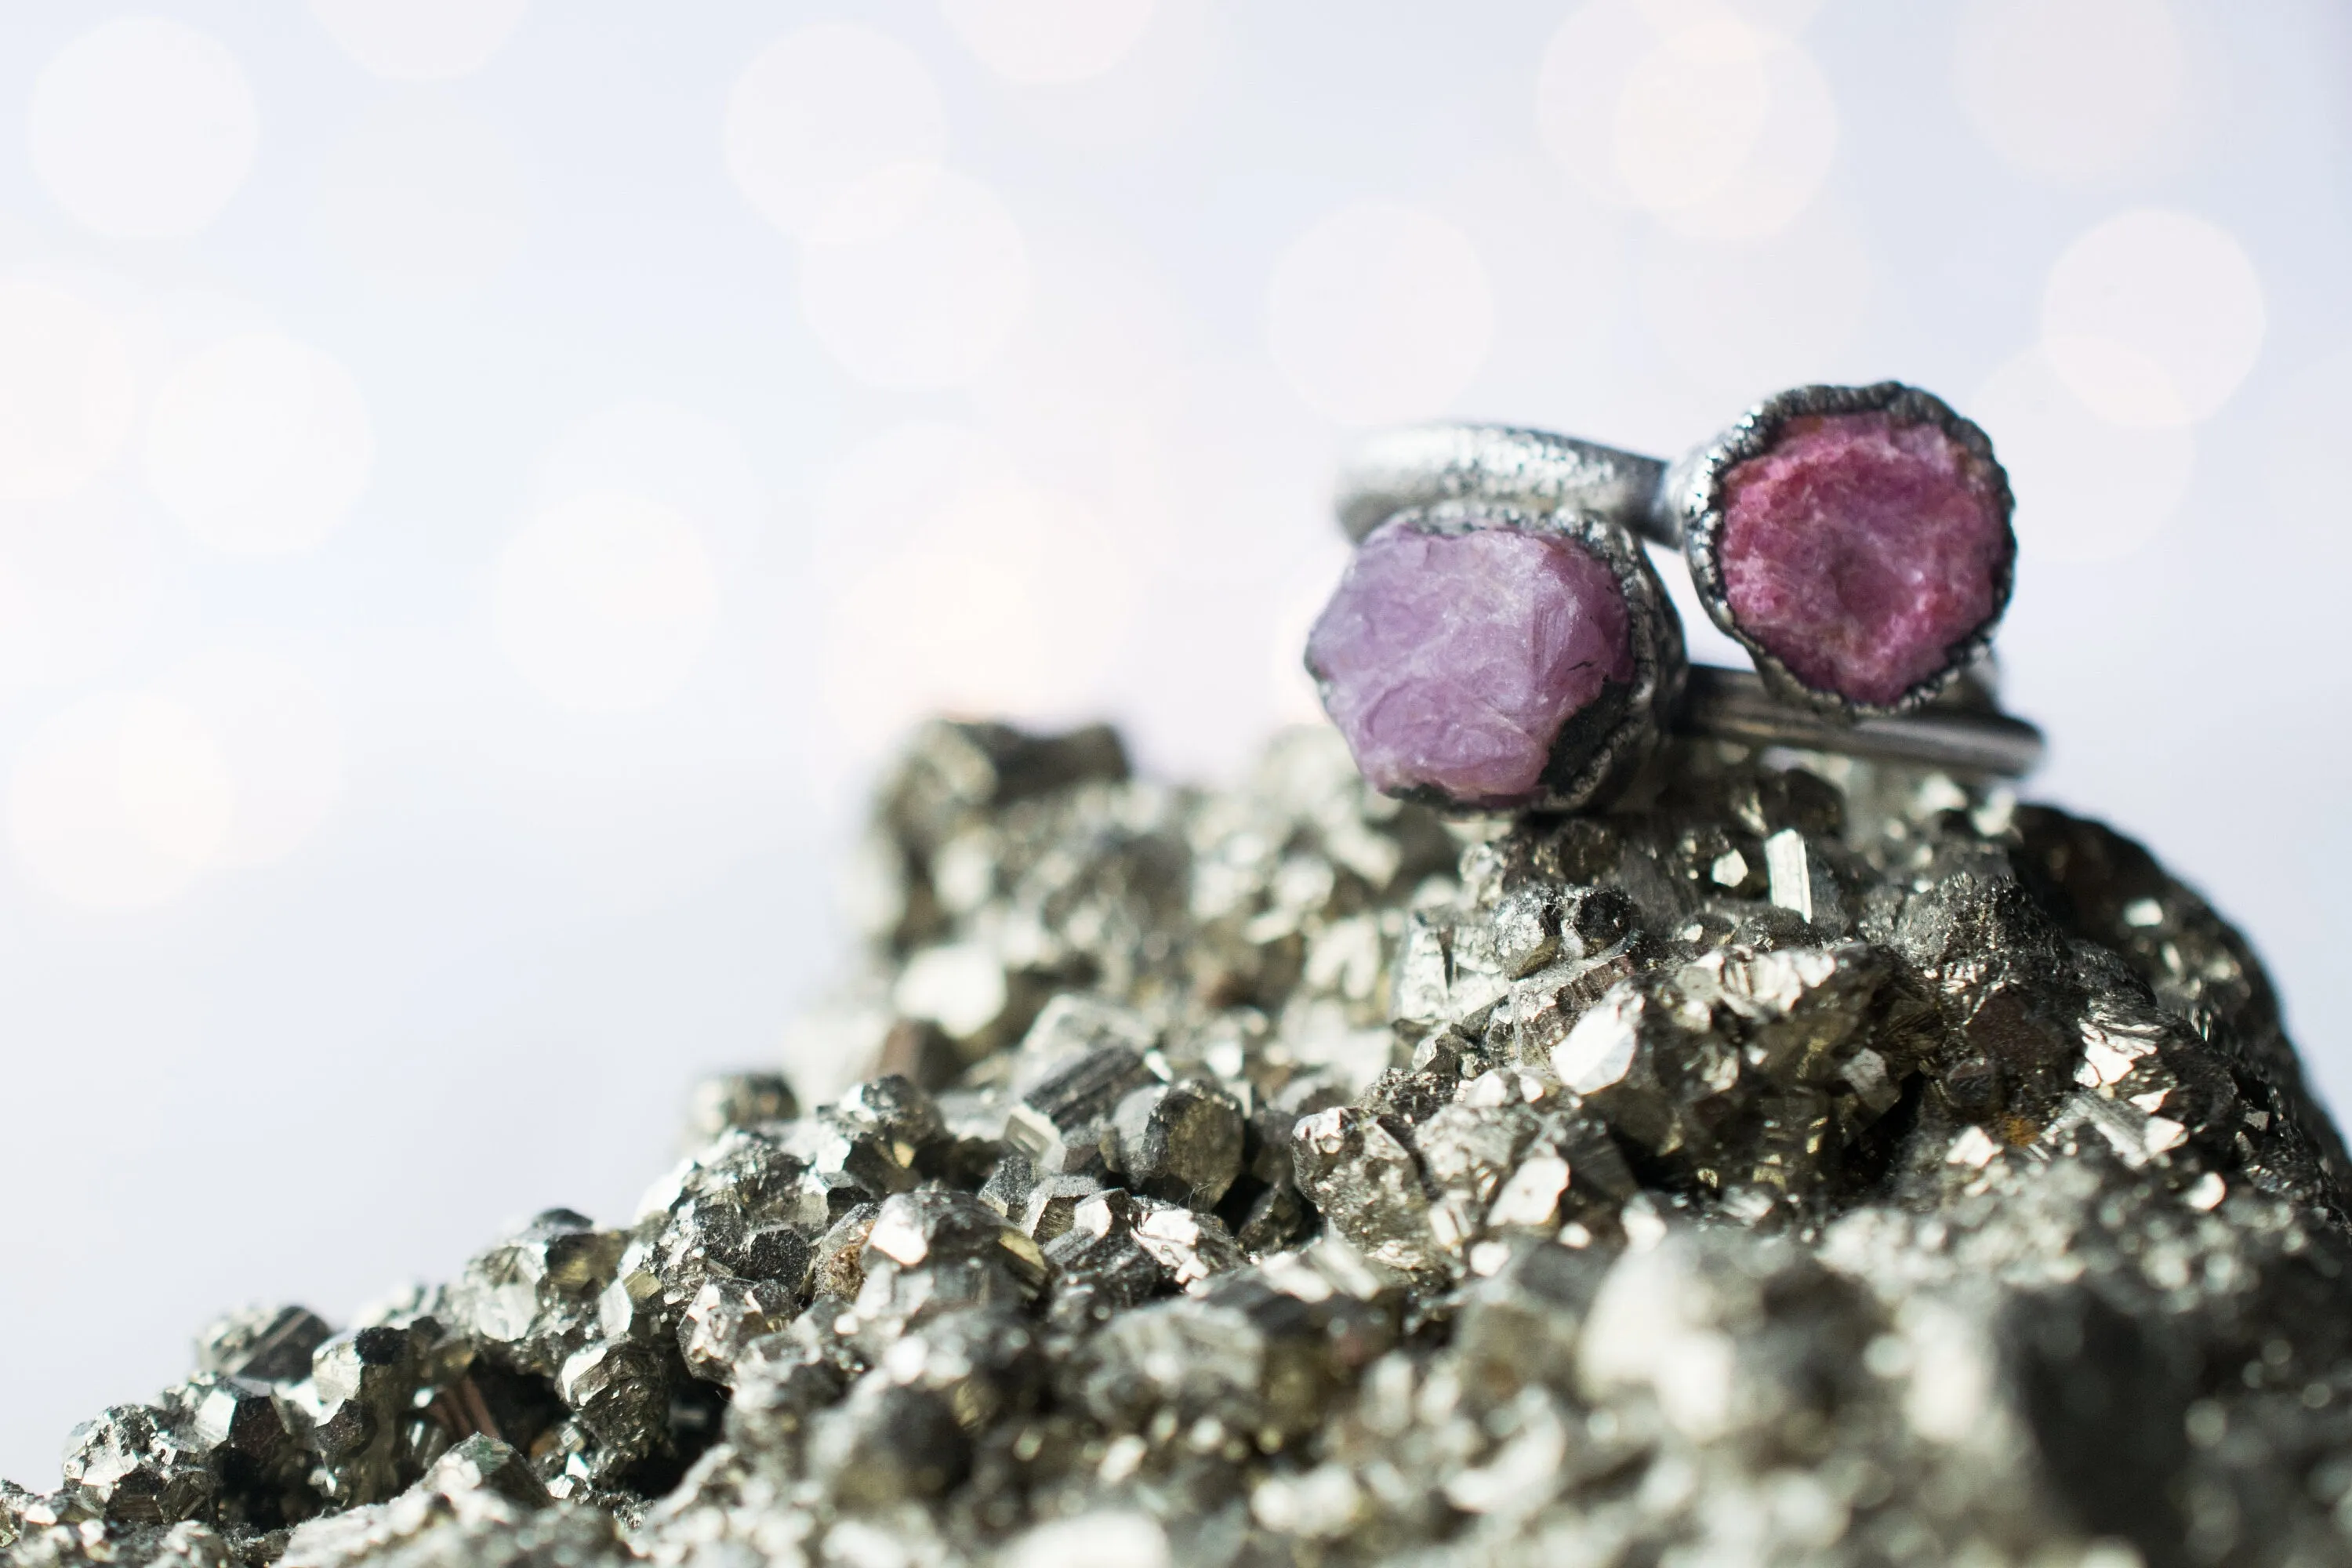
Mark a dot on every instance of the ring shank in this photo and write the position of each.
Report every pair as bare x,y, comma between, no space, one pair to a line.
1733,705
1423,465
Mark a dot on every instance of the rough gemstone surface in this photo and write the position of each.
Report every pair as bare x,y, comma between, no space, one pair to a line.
1860,551
1450,661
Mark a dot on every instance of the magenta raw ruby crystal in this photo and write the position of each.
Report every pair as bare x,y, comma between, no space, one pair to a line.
1451,660
1860,551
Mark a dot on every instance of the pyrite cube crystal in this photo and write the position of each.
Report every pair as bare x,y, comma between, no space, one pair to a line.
1353,1194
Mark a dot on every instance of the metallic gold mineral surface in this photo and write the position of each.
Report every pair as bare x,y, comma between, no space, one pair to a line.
1804,1163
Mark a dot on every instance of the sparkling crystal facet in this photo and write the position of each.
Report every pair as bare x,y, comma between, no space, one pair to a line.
1357,1193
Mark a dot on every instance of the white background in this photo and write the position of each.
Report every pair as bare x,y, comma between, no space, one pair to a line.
481,483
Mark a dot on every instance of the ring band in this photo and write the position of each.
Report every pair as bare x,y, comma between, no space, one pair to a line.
1733,705
1855,540
1424,465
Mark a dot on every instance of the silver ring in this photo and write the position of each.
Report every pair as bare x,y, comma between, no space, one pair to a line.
1957,514
1423,464
1734,705
1480,657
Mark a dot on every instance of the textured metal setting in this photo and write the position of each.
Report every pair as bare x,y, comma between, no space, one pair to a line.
1425,464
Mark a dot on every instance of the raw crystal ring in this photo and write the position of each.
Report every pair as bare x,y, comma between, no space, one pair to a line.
1855,540
1501,643
1478,656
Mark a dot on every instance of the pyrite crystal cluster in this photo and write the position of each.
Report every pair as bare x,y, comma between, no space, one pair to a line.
1805,1164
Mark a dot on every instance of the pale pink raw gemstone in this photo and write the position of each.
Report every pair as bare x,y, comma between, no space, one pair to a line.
1450,661
1859,551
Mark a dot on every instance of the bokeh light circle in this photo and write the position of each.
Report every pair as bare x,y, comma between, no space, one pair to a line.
1379,312
143,127
1724,130
1717,124
1097,385
1045,42
834,132
604,601
1775,312
79,579
281,739
424,199
67,393
259,445
2088,490
2154,317
887,487
955,582
119,803
2068,89
420,40
932,302
666,452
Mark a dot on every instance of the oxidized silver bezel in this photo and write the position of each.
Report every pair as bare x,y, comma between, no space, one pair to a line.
1509,465
1691,504
1584,770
